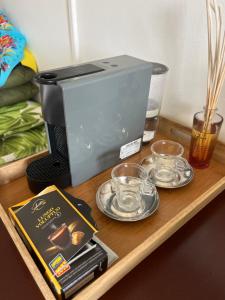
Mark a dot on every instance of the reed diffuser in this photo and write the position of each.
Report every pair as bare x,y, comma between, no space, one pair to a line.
207,124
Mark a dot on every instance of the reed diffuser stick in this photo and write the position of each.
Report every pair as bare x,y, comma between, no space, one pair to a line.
204,137
216,55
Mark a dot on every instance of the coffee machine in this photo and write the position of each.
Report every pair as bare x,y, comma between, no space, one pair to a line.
95,117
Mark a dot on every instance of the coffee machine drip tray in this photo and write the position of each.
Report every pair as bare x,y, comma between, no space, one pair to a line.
51,169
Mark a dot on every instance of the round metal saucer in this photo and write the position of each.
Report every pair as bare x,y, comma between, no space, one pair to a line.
105,199
183,177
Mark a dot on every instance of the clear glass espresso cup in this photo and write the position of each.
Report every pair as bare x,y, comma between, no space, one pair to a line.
168,160
131,183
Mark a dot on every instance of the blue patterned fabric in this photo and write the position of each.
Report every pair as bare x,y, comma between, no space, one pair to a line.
12,44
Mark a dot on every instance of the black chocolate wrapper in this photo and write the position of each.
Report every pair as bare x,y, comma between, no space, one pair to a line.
82,206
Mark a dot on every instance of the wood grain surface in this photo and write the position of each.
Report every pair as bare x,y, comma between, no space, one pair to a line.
135,241
17,169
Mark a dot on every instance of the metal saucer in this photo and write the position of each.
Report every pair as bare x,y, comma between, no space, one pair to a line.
105,199
183,176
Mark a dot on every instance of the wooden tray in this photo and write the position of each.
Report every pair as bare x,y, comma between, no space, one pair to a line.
135,241
16,169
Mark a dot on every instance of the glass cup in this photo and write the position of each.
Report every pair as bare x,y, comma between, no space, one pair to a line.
131,183
167,159
205,131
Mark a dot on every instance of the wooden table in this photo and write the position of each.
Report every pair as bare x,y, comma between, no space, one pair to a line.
135,241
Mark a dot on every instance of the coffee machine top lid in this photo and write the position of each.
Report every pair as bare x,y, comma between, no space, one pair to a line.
51,77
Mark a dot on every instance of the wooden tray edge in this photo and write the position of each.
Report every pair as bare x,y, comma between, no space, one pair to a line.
101,285
17,169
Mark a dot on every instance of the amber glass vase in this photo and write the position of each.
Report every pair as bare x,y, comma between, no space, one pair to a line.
205,131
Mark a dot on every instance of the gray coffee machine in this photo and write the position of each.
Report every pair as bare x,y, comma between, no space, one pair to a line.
95,116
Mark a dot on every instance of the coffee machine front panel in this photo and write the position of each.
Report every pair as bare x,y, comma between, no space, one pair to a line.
104,118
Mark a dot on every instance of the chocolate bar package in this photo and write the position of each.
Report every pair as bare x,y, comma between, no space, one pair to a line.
59,231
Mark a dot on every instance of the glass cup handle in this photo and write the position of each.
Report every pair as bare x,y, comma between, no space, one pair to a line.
113,186
182,164
148,187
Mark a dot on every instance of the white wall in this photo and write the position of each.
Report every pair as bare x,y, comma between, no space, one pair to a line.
173,32
46,27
